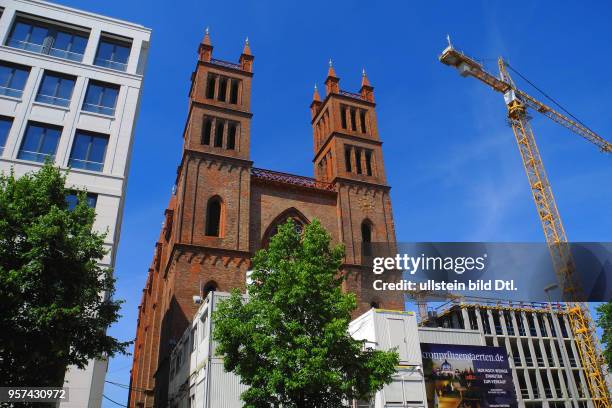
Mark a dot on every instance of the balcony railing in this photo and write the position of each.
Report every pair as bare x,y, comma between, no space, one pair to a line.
13,93
350,94
34,156
85,164
69,55
104,110
119,66
41,49
291,179
226,64
53,100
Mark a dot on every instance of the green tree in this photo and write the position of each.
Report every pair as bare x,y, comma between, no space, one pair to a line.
604,321
289,343
55,299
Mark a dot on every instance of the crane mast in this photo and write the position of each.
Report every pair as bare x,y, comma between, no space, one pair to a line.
517,103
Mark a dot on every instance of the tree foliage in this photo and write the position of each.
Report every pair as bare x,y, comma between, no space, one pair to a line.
604,321
55,299
290,343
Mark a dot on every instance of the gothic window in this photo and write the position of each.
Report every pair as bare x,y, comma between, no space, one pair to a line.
222,89
231,136
234,91
366,232
219,133
299,221
210,86
210,286
213,217
362,118
353,119
368,162
206,131
363,160
347,159
343,116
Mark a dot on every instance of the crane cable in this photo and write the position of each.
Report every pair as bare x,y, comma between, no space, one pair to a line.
113,401
126,387
545,94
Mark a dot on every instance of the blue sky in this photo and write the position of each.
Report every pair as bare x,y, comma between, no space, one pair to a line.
450,157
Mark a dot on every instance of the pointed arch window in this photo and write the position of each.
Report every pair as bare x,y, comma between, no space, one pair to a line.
214,212
299,221
366,231
210,286
366,237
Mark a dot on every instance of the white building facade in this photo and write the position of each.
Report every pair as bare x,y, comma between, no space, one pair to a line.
70,86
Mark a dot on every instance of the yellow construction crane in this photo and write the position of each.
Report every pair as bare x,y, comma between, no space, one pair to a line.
517,102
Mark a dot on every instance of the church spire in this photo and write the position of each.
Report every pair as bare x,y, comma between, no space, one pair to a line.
205,49
246,58
315,96
364,78
206,40
330,71
316,102
246,50
332,83
367,90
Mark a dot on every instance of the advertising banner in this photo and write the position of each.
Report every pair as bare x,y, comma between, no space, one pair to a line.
467,376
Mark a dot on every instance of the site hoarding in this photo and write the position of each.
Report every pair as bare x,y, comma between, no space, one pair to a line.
467,376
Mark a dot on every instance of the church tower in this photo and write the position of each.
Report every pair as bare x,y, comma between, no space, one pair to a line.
348,154
205,239
213,178
223,210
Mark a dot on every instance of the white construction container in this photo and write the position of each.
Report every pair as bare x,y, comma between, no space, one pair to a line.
197,377
387,330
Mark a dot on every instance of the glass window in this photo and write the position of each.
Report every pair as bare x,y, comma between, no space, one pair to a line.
68,46
5,128
112,54
101,98
72,199
45,39
55,89
13,79
28,36
39,143
88,151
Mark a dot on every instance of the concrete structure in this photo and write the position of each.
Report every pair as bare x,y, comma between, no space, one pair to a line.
70,85
543,356
224,209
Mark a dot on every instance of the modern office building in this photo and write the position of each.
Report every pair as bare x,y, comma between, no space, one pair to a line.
70,85
543,356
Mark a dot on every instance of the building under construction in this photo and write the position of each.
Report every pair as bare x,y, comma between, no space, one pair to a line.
542,350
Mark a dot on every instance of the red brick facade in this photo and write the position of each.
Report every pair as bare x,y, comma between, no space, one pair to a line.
349,196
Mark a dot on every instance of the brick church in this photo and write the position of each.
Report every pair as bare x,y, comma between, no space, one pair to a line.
224,209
